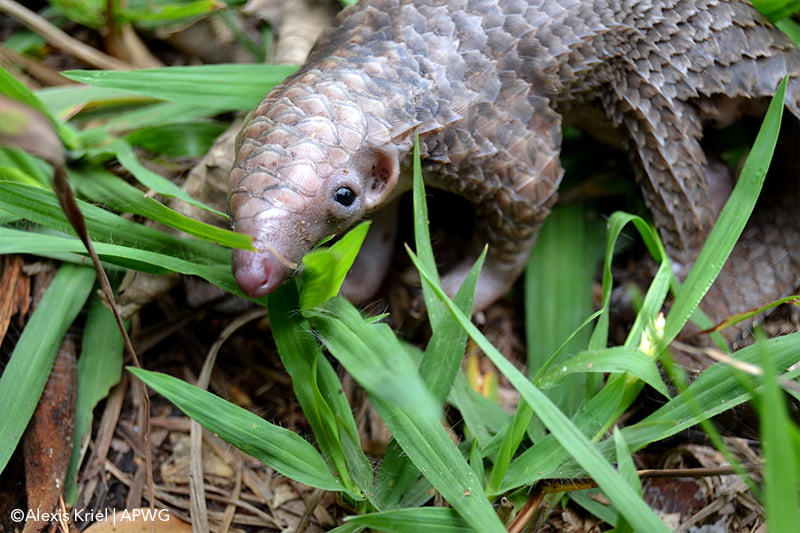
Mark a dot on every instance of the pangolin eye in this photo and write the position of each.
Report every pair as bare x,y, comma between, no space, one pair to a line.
344,196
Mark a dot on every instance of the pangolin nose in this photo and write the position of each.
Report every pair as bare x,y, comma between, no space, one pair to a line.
257,274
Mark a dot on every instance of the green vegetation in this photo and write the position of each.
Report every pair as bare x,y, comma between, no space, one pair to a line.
576,389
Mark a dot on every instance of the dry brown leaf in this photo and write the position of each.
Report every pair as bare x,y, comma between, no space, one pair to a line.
140,520
47,442
15,288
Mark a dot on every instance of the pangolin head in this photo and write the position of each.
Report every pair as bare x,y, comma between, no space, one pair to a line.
309,164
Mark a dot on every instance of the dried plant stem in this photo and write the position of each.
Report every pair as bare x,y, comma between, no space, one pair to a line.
61,40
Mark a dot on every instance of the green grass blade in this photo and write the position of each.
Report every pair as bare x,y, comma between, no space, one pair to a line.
127,158
442,360
778,436
558,285
439,370
395,477
438,519
72,250
546,459
326,268
281,449
570,437
616,223
111,191
319,391
162,13
41,207
731,220
422,237
235,87
616,360
99,369
11,87
377,360
374,356
717,389
177,139
18,165
26,373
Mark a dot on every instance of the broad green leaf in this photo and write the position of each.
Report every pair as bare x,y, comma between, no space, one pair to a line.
619,359
433,519
319,392
15,90
277,447
234,87
26,372
326,268
570,437
99,369
377,360
781,482
731,220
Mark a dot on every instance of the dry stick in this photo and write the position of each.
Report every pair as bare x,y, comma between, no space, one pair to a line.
39,71
557,486
61,40
728,359
197,489
70,207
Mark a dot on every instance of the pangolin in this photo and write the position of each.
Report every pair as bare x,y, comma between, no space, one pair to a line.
488,85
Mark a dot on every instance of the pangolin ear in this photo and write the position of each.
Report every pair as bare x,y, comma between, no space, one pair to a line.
380,170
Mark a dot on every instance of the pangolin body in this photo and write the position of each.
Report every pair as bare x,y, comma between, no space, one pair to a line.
488,85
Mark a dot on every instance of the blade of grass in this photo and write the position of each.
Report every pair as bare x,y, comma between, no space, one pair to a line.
570,437
326,268
438,519
319,392
70,249
99,369
281,449
27,370
15,90
731,220
127,158
234,87
422,237
778,437
558,286
105,188
546,459
177,139
40,206
32,170
374,356
616,360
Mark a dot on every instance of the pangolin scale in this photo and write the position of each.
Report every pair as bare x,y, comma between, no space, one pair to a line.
488,86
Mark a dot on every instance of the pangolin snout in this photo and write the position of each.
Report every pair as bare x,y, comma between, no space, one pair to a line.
258,273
